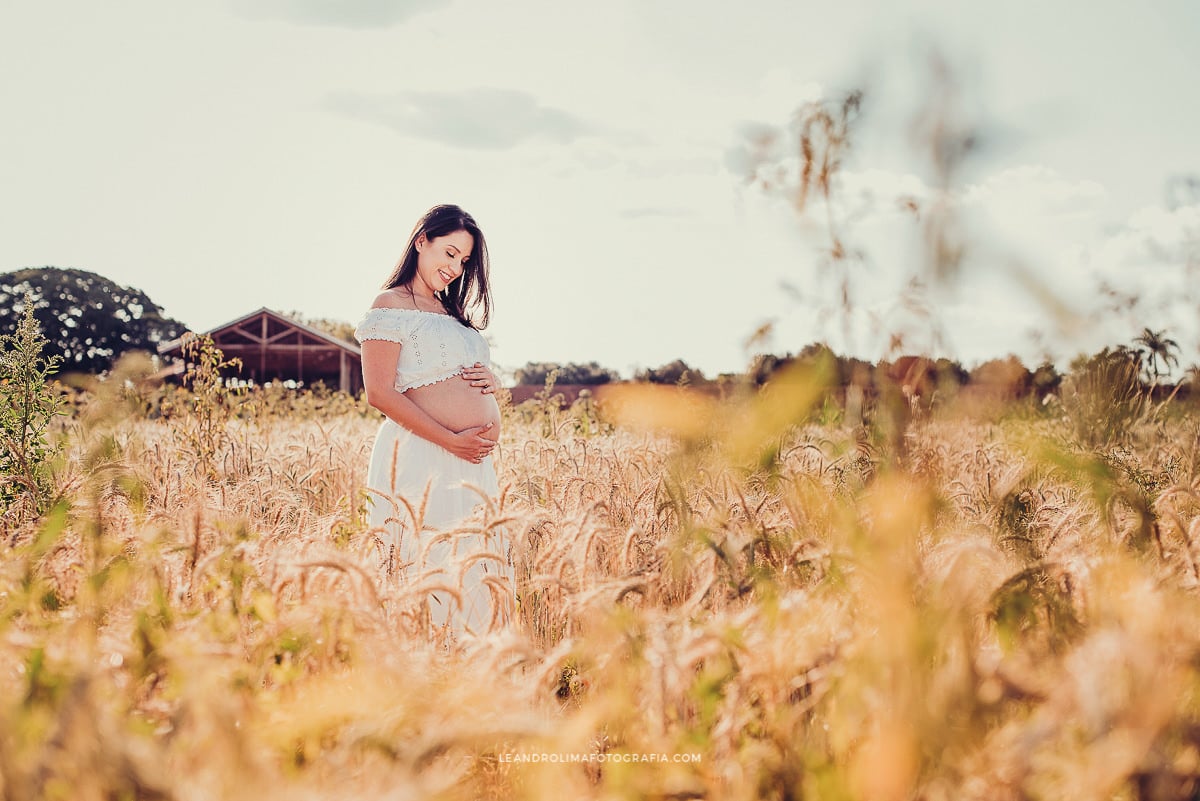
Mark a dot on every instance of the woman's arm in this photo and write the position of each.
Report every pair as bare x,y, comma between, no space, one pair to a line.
379,359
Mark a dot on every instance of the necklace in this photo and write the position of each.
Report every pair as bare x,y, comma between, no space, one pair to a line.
413,295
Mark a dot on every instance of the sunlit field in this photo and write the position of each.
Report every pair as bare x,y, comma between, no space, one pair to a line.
752,598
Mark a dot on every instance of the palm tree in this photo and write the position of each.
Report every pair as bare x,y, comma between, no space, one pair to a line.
1159,348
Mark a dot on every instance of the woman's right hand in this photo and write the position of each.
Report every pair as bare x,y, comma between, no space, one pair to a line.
471,445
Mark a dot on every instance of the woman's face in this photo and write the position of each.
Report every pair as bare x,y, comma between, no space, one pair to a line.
440,260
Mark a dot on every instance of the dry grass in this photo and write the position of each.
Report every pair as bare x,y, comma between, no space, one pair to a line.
998,614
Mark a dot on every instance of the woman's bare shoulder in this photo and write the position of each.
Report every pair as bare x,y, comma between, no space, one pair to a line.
393,298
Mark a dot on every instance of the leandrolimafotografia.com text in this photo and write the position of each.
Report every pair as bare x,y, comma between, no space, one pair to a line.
536,757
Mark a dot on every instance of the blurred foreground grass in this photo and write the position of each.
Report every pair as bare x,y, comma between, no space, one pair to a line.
723,601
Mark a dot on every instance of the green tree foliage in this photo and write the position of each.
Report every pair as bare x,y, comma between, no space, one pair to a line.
591,374
676,372
28,404
89,321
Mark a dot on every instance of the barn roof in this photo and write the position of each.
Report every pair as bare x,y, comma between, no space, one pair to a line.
273,347
173,347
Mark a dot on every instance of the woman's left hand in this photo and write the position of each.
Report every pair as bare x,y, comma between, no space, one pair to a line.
481,377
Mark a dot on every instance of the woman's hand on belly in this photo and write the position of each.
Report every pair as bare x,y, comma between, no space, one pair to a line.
473,443
479,376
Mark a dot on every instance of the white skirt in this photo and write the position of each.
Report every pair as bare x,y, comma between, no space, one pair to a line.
420,493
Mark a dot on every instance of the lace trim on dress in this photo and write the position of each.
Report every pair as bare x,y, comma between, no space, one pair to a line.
427,381
378,324
363,333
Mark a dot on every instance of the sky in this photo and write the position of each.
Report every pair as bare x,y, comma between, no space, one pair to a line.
233,154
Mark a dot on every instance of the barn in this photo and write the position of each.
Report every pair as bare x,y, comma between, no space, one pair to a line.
272,347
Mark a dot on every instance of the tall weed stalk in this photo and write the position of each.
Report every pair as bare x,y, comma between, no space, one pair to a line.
29,402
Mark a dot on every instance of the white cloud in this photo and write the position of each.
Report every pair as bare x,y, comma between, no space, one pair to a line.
1032,190
1045,247
1039,276
1159,233
1150,269
1031,218
481,118
776,96
884,185
337,13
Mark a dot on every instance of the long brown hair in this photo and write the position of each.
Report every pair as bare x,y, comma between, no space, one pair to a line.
468,292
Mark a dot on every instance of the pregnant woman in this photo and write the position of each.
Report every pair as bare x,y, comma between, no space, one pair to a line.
427,368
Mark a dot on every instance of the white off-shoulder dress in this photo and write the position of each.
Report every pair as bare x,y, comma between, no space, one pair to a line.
420,492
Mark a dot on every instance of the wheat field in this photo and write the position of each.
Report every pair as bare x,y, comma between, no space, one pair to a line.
717,601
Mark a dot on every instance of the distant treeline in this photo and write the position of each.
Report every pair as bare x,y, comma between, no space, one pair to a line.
90,322
1140,367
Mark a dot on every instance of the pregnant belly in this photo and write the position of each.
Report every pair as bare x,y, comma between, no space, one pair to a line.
457,405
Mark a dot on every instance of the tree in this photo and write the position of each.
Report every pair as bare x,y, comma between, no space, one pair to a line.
846,370
1005,378
764,365
1159,348
676,372
89,321
535,373
1045,380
